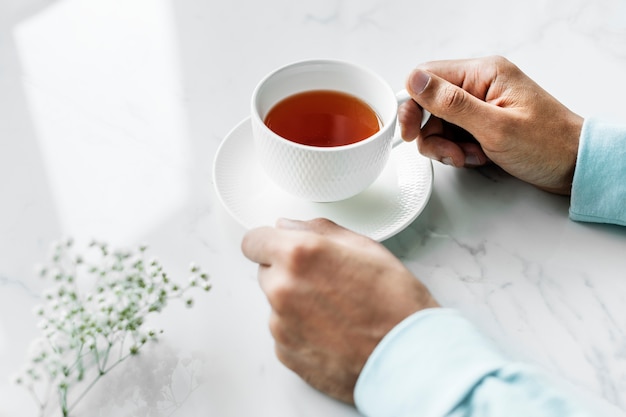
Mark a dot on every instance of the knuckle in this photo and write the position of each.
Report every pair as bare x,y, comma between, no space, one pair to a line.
320,222
275,326
286,357
300,254
453,100
296,259
499,60
281,295
503,66
280,354
277,329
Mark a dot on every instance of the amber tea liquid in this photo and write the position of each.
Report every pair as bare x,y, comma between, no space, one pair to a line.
323,118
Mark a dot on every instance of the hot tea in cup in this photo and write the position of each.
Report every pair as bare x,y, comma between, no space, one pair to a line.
323,118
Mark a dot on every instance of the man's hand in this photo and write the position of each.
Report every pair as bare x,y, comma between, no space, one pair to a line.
334,295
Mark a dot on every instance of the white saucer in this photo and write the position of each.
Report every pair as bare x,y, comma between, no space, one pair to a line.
389,205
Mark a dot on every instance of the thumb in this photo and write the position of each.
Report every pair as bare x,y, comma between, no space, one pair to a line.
448,101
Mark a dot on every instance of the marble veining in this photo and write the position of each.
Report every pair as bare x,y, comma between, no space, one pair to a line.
111,113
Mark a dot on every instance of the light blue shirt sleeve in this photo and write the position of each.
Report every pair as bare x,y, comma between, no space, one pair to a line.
435,363
599,186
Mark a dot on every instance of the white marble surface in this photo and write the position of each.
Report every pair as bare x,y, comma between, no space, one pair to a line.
111,112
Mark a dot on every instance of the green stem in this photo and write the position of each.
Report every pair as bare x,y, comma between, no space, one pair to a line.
63,401
80,397
79,357
122,346
101,373
40,403
105,358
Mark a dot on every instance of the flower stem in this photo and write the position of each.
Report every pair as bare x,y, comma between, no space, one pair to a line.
101,373
80,397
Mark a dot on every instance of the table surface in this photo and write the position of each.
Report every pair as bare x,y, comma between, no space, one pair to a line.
111,112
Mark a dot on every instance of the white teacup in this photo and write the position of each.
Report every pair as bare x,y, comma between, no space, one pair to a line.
324,174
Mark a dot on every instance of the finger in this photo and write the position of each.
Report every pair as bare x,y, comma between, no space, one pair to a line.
262,244
450,144
457,154
448,101
442,150
267,280
319,225
410,119
474,155
475,76
323,227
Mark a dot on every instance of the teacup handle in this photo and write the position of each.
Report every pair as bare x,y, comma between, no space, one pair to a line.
403,96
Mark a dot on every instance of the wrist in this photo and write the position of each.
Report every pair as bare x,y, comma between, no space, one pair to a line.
569,131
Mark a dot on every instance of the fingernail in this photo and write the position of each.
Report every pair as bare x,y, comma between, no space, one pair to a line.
418,81
472,159
447,161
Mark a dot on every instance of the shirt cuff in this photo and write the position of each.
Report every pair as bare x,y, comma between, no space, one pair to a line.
426,365
599,186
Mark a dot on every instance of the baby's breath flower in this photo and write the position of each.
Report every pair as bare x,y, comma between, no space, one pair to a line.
63,384
39,310
98,302
17,379
32,374
174,290
41,270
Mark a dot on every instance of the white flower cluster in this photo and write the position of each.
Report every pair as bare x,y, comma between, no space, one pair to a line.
93,317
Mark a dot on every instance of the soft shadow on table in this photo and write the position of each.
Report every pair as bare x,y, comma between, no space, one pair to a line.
239,314
477,195
160,379
28,228
155,383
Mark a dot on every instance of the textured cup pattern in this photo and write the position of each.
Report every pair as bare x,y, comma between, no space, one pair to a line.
320,174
